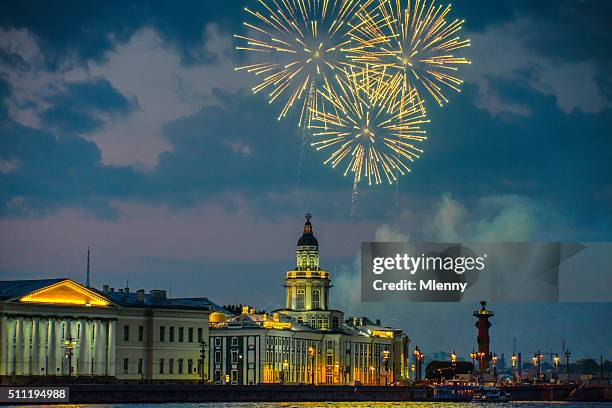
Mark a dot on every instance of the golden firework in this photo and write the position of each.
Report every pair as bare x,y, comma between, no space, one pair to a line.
370,125
294,45
412,40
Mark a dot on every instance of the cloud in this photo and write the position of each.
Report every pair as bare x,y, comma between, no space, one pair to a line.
500,218
507,51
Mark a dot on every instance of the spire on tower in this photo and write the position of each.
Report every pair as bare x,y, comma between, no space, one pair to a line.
87,284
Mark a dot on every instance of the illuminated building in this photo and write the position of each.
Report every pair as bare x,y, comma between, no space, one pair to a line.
57,327
306,342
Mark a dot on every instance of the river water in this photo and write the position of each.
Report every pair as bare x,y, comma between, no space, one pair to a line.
358,405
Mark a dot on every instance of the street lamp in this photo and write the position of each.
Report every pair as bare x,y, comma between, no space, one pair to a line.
418,356
285,370
567,364
494,364
473,356
70,343
311,353
386,355
453,358
557,365
513,366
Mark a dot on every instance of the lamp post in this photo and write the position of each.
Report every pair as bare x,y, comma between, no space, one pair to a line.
311,353
285,370
386,355
513,367
567,364
418,357
453,358
473,356
494,360
69,344
540,357
557,366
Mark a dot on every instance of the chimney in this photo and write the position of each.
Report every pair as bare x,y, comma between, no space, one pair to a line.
112,289
126,290
140,295
120,290
105,288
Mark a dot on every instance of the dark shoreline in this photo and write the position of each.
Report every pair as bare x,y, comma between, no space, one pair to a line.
192,393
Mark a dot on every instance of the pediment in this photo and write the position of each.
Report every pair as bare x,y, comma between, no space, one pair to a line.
66,292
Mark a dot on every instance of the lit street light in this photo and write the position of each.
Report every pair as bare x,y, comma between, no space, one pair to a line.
386,355
311,353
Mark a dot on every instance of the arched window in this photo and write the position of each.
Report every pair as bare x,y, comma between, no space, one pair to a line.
300,299
335,321
316,295
300,320
319,322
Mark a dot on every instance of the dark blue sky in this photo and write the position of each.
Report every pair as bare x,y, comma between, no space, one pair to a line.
123,126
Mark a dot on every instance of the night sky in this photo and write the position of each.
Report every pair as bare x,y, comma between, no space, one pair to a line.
123,126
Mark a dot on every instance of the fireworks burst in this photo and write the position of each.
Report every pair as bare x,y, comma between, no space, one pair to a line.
413,41
371,125
299,44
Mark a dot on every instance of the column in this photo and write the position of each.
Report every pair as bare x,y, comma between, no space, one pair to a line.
111,363
27,346
89,355
35,356
52,348
43,349
101,347
4,331
82,347
19,345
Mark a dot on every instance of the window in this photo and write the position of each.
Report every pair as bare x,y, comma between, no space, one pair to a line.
126,365
161,365
330,344
200,334
126,333
78,331
217,356
140,366
162,333
140,333
170,366
300,299
217,341
234,356
234,376
171,334
316,294
234,341
180,366
335,321
181,334
190,335
189,366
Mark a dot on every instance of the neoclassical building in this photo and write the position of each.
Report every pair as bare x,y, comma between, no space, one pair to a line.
306,341
58,327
